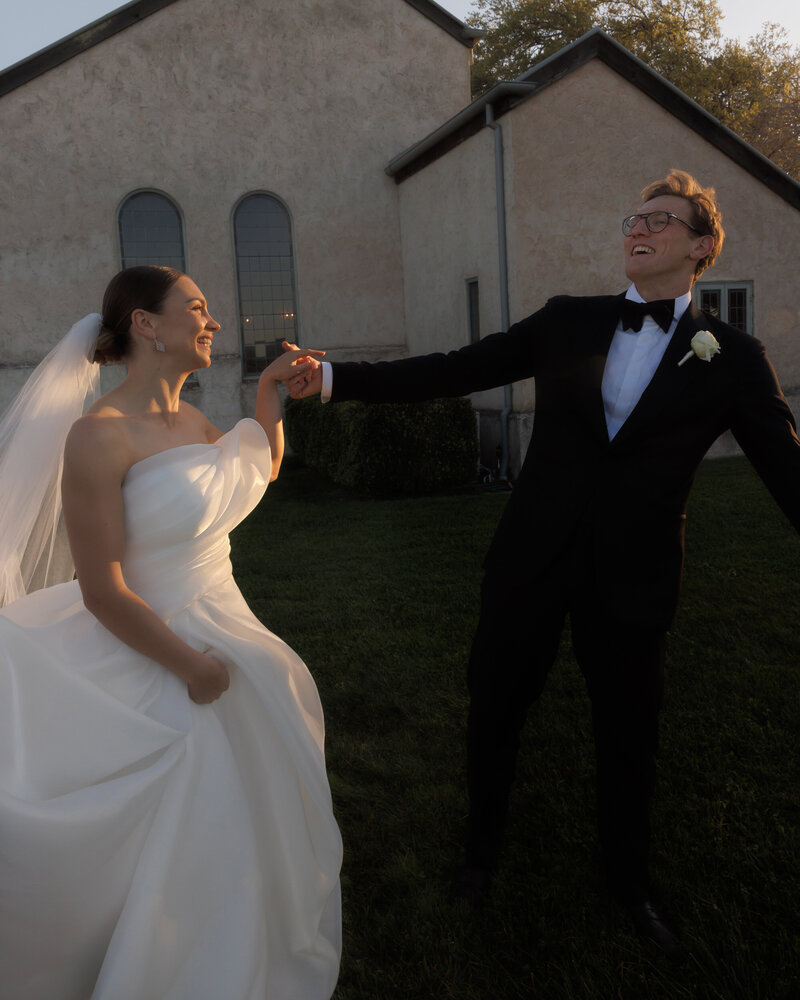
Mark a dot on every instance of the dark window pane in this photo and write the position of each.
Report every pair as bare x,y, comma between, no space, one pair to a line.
150,231
710,300
473,311
737,308
265,269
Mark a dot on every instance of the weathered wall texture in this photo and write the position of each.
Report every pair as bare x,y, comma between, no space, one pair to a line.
207,100
449,235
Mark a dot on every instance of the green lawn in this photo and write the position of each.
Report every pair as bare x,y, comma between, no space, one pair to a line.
381,597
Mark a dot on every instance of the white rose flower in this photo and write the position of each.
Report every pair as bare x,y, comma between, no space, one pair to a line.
704,345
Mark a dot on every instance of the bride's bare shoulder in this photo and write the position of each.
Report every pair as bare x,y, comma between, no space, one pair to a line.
98,443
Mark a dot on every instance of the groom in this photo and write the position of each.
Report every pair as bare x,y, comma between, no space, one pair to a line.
595,525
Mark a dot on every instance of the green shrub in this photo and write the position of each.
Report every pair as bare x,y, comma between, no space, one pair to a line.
386,449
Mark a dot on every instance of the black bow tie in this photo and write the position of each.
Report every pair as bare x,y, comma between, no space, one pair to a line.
633,313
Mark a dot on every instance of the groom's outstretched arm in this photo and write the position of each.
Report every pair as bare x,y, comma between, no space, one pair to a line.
495,360
764,427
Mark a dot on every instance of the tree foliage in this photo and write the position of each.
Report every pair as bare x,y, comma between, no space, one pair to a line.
753,88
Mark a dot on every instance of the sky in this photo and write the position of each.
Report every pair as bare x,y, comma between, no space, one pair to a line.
34,24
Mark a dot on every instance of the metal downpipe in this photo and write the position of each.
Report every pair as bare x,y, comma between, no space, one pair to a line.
502,254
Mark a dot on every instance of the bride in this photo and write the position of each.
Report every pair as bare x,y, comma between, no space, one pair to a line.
166,830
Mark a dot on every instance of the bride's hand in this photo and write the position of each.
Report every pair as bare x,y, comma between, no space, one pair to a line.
295,361
307,382
210,680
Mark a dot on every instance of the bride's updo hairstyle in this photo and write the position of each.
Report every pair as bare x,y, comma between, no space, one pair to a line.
143,287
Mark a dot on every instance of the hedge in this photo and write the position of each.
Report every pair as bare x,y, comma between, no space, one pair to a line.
386,449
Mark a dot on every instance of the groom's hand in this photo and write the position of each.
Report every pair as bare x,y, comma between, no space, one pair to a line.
309,383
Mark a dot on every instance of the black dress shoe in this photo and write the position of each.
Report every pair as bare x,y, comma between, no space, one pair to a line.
471,885
650,926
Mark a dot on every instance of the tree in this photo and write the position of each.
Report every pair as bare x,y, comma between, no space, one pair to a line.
754,89
672,36
522,33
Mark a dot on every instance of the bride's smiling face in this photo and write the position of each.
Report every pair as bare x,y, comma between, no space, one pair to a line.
184,326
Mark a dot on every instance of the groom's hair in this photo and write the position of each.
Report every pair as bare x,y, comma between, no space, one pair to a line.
707,217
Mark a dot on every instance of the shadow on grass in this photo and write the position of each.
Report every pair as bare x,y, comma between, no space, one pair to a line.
381,597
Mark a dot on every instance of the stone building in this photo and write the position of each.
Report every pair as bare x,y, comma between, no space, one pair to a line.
259,130
318,168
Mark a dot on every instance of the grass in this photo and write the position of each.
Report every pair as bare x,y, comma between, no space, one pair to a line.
381,598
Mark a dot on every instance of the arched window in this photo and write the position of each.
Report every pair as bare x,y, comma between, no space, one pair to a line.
150,231
262,233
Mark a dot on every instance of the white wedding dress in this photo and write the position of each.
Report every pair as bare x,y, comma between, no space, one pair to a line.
152,848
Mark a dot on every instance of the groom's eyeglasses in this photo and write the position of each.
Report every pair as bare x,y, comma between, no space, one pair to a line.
656,222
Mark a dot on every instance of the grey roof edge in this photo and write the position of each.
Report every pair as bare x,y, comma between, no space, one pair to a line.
596,44
123,17
465,33
500,92
65,49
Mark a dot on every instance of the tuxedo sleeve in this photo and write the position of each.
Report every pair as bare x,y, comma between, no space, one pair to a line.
764,427
496,360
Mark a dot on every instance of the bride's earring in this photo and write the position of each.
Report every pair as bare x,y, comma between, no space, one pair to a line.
157,345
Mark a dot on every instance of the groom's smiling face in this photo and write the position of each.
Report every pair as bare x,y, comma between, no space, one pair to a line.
660,263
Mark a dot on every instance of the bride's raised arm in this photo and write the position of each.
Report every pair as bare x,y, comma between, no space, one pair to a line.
293,363
96,459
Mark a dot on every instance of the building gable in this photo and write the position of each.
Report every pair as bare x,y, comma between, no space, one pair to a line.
595,44
132,13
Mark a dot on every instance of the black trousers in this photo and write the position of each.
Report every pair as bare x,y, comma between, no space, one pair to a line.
623,665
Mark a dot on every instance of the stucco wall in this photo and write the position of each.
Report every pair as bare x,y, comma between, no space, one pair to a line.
207,100
449,235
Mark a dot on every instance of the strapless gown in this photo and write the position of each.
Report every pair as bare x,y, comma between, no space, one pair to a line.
152,848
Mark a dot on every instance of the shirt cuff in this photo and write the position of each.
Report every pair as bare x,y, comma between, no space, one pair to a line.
327,382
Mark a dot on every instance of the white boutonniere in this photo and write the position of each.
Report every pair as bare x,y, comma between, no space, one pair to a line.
704,344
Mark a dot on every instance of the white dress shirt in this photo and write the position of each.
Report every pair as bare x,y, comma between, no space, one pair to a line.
631,363
327,382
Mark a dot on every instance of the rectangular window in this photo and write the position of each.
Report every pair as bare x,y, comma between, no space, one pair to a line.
473,311
731,301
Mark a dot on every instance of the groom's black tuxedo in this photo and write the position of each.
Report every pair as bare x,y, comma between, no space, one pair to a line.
633,489
593,528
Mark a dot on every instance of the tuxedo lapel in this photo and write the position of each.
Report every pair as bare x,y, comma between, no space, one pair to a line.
601,324
669,380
